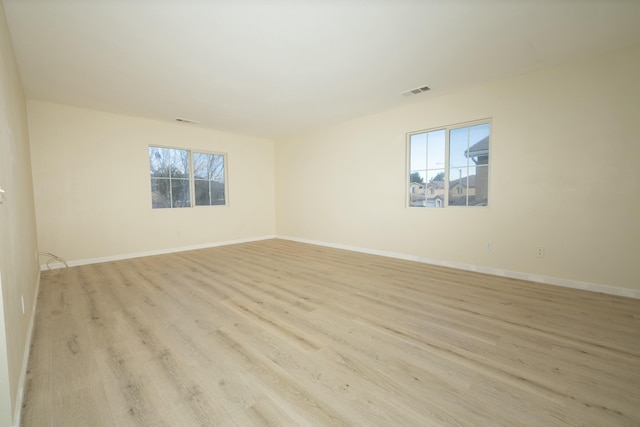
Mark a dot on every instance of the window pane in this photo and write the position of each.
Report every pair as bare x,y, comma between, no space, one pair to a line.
217,193
179,163
418,153
481,187
478,132
160,193
479,144
462,182
203,197
435,188
180,193
159,161
200,166
216,167
417,181
435,154
458,145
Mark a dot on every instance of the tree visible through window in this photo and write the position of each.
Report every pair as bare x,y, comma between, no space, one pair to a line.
179,177
449,166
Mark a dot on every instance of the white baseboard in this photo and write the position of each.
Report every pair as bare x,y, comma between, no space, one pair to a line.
567,283
549,280
73,263
25,358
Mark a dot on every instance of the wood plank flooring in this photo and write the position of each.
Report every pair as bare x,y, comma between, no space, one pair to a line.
281,333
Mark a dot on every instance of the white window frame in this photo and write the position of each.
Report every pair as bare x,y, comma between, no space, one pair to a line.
192,190
447,129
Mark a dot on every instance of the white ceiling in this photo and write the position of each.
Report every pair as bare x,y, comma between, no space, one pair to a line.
276,67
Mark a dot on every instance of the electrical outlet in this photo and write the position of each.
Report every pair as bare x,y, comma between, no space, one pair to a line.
488,246
540,253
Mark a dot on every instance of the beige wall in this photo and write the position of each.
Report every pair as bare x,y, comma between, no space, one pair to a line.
18,265
564,176
92,187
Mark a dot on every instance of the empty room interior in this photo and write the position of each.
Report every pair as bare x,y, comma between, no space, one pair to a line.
367,213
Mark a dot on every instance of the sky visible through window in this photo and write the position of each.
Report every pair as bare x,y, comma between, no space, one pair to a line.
428,148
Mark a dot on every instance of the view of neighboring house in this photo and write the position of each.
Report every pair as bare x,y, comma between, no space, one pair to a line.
462,191
479,153
466,190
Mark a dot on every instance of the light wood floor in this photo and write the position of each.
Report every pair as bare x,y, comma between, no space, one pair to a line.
282,333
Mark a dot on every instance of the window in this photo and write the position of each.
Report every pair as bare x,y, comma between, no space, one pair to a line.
449,166
182,178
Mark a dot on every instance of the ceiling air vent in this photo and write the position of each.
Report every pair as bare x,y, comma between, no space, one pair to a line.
416,91
191,122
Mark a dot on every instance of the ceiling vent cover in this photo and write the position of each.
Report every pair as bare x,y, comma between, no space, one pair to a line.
416,91
191,122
